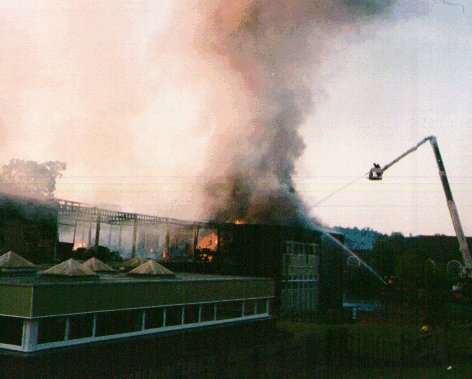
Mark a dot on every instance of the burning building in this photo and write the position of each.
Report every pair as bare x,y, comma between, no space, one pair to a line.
272,53
306,266
307,272
300,257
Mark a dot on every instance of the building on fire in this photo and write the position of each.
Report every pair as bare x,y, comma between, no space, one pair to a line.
306,267
207,283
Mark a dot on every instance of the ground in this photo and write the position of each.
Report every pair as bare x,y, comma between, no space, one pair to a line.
373,349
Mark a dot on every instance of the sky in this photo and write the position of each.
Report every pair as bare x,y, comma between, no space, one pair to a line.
122,91
382,96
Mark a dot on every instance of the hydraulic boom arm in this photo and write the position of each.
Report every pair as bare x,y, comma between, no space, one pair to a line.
376,173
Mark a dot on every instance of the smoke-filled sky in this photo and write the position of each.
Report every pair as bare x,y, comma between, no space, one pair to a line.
154,104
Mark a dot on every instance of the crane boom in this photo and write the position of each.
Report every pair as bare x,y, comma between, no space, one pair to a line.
376,173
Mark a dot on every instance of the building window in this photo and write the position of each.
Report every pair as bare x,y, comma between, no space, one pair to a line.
208,312
261,306
270,306
11,330
229,309
174,316
154,318
80,326
249,307
118,322
51,329
191,314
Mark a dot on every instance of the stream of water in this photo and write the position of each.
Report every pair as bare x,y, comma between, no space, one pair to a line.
352,254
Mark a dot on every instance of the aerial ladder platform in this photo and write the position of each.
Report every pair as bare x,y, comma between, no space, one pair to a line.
377,171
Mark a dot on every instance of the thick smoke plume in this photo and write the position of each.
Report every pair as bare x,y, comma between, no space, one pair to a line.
275,50
130,93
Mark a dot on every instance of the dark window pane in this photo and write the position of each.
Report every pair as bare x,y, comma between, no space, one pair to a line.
261,306
51,329
80,326
118,322
230,309
173,316
248,307
11,330
191,314
208,312
154,318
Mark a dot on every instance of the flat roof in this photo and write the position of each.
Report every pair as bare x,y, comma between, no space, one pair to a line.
32,296
29,280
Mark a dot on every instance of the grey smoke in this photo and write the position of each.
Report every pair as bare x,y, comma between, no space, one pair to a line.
276,48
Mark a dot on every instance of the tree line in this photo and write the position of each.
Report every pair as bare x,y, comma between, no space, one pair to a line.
427,263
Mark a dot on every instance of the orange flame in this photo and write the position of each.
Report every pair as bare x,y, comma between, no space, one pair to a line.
79,245
210,241
239,222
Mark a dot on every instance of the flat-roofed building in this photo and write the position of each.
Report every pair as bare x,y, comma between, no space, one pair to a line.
39,312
